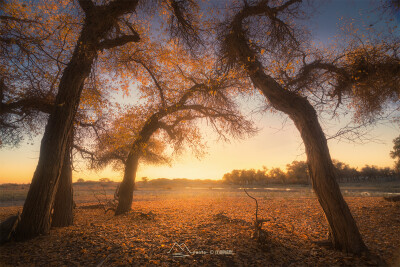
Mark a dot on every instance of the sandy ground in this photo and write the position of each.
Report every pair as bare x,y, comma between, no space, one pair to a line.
212,228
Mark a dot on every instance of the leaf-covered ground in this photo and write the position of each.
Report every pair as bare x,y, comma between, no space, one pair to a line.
208,224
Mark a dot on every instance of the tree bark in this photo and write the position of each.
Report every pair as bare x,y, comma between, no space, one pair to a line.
36,214
344,232
125,192
64,202
35,218
343,228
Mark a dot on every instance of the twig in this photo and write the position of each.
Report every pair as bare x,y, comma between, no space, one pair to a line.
259,233
255,201
98,199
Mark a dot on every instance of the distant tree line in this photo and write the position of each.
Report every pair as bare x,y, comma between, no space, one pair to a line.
101,180
177,183
164,183
367,173
297,173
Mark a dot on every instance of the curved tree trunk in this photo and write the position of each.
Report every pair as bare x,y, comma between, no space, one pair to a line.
125,192
64,202
343,228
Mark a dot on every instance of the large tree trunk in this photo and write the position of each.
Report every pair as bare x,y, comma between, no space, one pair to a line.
343,228
35,218
64,202
344,232
125,192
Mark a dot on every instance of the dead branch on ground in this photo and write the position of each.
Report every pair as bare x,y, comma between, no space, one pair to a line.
259,234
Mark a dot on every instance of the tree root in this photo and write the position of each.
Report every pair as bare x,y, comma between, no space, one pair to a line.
7,228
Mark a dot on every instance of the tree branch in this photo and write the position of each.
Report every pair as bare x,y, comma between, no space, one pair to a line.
18,19
86,5
26,105
160,89
182,25
118,41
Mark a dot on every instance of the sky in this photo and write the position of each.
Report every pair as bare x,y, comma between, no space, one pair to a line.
277,144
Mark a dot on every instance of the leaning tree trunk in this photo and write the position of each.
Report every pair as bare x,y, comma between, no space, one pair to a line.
64,202
344,232
99,21
125,191
152,124
343,228
35,218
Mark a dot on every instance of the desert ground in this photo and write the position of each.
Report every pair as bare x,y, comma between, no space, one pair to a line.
212,226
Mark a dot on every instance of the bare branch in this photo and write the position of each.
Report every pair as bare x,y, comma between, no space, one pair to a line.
182,25
4,17
255,201
155,80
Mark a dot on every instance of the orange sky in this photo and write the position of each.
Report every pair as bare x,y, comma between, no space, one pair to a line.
272,147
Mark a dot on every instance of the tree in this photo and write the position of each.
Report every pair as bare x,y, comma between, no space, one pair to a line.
370,172
33,46
278,175
345,173
257,32
104,27
395,153
181,90
261,177
97,26
297,172
34,53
